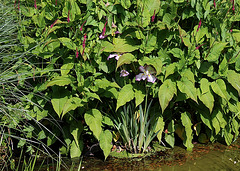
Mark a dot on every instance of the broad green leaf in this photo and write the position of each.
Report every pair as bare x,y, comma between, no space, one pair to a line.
126,4
76,150
207,99
111,92
215,121
126,58
186,122
166,93
107,46
51,45
205,95
71,104
204,85
105,141
60,81
106,120
139,96
72,8
205,117
93,95
220,89
65,69
39,19
151,42
59,98
215,51
76,129
188,74
178,1
167,19
235,127
170,69
68,43
145,19
176,52
159,128
187,87
124,45
236,35
201,33
169,137
126,94
151,6
104,83
222,121
223,67
228,135
155,62
93,119
234,79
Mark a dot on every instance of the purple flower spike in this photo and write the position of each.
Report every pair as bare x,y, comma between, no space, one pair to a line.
146,74
153,17
68,19
84,40
124,73
199,25
77,53
53,23
82,25
200,46
102,36
214,3
233,7
35,4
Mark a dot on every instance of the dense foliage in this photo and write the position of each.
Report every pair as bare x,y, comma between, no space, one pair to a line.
100,63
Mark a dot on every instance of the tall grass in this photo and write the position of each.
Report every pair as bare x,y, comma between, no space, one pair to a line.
14,90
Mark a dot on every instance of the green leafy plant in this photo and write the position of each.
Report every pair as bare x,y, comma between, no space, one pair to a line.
137,127
188,59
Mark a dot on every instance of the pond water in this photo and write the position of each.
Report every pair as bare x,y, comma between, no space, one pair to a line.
203,157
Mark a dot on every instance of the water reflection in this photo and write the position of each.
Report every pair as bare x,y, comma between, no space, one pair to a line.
207,158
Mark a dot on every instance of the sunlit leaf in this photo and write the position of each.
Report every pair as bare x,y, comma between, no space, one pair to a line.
166,93
93,119
60,81
105,141
186,121
215,51
126,94
159,128
187,87
126,58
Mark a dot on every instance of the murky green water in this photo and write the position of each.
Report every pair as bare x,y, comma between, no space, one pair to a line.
203,157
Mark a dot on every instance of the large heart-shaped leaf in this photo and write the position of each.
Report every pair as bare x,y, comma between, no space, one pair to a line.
93,119
166,93
105,141
126,94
